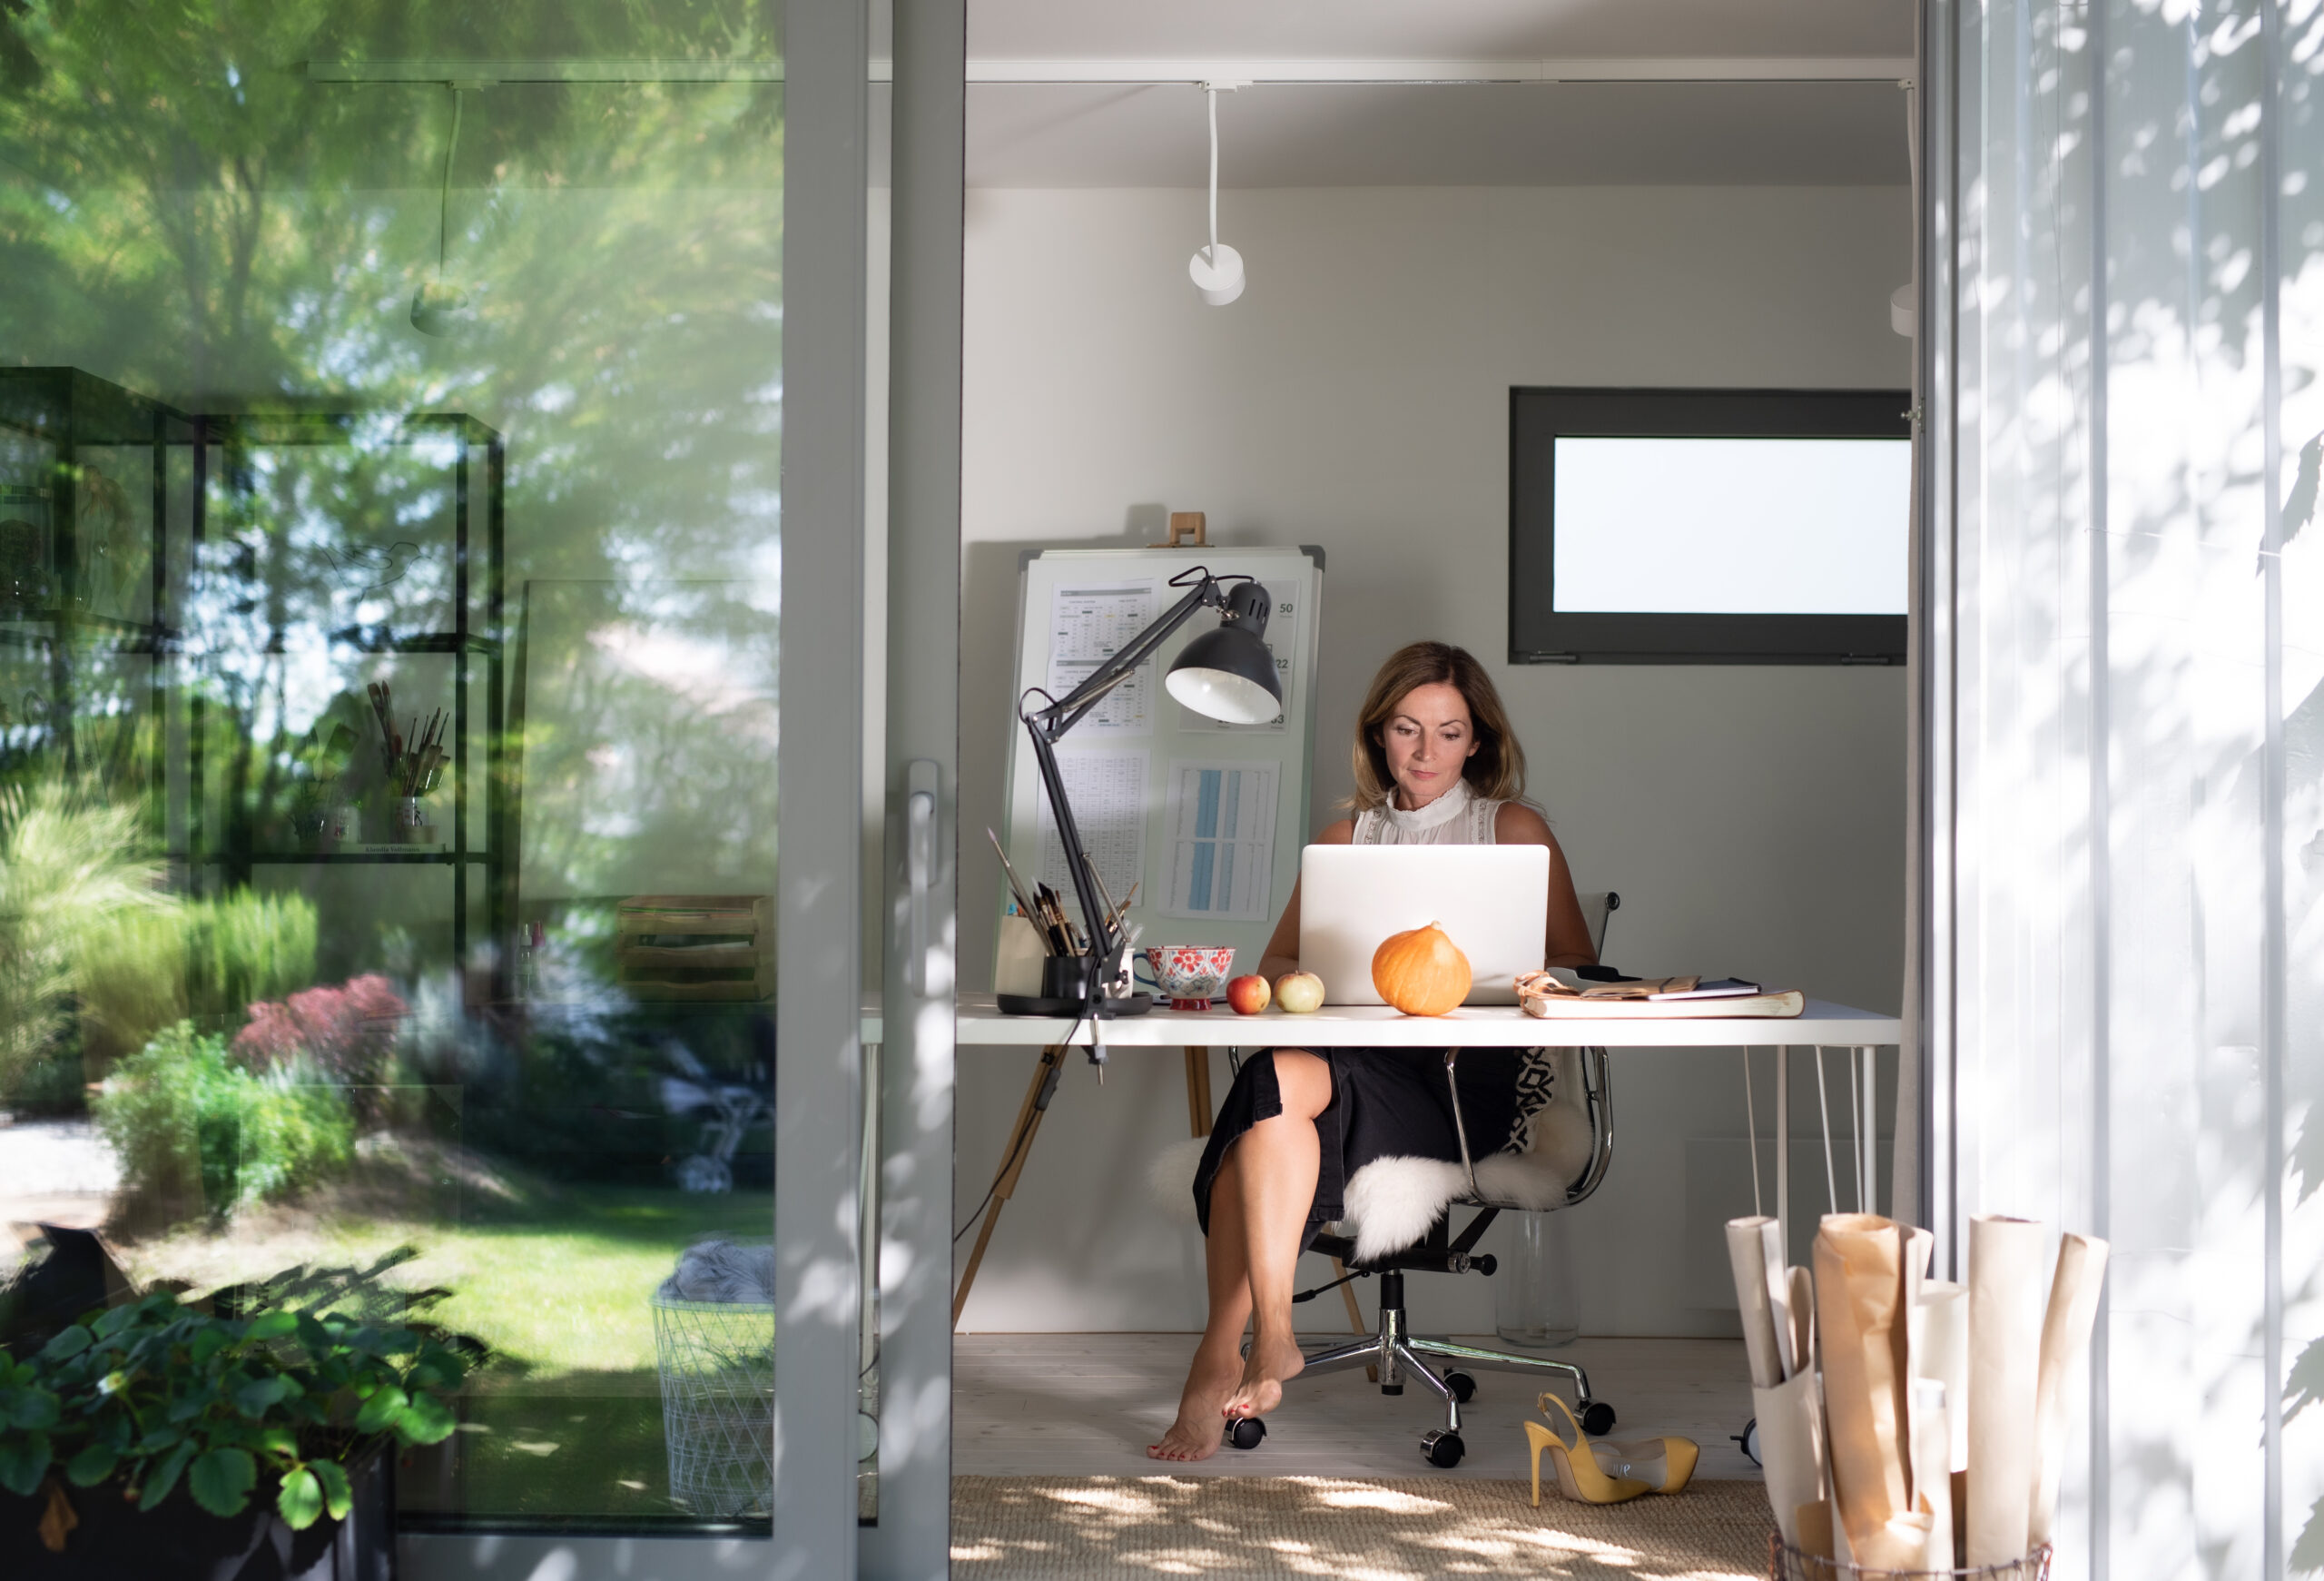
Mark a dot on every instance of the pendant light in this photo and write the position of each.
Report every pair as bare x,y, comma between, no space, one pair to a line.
438,307
1218,269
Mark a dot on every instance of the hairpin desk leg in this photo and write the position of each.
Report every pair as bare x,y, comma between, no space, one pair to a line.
1012,1160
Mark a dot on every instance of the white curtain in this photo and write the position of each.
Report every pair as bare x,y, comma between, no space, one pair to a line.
2124,616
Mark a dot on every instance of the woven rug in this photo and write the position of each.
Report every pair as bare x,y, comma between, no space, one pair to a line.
1086,1528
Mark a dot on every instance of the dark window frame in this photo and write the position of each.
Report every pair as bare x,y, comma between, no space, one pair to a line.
1538,634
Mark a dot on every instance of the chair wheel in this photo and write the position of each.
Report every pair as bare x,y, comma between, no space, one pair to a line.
1597,1418
1247,1432
1463,1386
1442,1449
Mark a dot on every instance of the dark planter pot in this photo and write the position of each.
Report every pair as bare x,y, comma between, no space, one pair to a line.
182,1541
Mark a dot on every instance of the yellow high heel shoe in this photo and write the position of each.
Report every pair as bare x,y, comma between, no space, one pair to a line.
1580,1476
1664,1465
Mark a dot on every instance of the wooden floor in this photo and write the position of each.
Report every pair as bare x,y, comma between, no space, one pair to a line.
1087,1405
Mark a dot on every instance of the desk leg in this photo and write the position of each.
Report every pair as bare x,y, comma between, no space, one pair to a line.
1867,1126
1783,1148
1012,1160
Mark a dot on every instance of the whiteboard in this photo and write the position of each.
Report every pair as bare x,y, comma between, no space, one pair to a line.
1206,819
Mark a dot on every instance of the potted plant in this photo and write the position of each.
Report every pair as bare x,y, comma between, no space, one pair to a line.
157,1438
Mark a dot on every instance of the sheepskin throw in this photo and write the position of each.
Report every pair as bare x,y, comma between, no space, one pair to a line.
721,1271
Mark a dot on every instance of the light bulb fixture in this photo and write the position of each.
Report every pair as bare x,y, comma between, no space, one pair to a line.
1216,270
440,307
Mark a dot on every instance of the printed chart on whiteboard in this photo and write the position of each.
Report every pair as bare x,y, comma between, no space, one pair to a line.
1108,790
1088,626
1221,817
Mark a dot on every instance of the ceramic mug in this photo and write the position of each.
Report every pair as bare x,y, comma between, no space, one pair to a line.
1190,975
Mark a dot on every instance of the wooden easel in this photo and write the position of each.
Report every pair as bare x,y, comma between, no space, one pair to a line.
1038,1094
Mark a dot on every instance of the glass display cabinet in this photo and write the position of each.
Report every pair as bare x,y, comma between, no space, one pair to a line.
344,640
96,503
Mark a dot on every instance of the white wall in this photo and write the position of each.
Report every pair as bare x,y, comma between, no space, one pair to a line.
1357,398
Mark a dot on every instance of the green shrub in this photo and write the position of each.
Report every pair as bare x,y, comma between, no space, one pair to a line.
183,1118
69,873
209,960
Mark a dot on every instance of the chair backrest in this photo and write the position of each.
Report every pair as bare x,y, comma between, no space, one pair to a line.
1598,909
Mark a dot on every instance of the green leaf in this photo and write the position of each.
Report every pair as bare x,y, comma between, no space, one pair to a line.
24,1461
114,1319
300,1502
382,1409
220,1481
207,1344
32,1408
255,1398
91,1466
159,1439
164,1477
338,1497
271,1325
313,1335
67,1345
427,1420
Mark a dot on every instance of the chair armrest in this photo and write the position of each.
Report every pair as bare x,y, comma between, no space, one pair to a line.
1460,1126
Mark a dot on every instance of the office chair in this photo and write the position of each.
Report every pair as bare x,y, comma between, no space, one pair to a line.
1503,1182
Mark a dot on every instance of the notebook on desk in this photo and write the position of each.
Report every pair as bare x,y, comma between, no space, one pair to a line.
1494,902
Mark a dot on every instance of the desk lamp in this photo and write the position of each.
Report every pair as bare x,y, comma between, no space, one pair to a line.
1225,674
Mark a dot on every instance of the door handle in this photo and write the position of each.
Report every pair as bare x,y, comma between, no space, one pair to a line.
919,870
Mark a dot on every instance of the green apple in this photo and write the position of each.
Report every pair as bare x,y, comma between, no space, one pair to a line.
1300,992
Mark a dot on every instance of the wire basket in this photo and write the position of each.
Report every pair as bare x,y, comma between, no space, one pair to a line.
717,1366
1787,1563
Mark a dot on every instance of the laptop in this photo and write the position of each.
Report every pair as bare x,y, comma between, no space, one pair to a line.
1492,900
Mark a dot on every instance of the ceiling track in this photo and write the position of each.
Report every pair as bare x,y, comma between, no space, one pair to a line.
1157,74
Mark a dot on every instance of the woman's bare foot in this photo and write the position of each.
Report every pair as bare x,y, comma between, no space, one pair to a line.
1196,1434
1271,1364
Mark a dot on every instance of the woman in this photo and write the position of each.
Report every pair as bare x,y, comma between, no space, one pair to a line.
1435,764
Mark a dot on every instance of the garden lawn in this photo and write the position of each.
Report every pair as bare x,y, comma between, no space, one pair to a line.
558,1289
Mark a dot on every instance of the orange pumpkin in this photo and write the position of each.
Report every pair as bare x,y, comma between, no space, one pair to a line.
1421,972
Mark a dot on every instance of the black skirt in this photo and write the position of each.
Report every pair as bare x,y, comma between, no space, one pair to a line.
1385,1103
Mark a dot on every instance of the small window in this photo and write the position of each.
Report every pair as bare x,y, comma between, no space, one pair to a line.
1709,526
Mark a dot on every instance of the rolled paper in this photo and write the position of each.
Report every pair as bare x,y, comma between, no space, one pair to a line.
1931,1471
2005,1300
1860,1317
1791,1452
1817,1530
1746,1258
1788,1360
1803,1318
1941,1351
2065,1376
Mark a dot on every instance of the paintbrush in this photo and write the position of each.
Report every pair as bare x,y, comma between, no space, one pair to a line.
1024,906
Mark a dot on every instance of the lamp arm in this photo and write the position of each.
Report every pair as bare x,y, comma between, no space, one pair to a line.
1068,836
1068,711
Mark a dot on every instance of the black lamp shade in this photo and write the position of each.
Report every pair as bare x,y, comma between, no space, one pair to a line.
1227,674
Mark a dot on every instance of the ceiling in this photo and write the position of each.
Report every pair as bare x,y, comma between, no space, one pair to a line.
1152,132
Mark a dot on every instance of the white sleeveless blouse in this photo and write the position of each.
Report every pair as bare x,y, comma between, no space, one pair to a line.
1458,817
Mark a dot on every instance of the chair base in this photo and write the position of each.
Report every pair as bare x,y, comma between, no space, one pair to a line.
1400,1354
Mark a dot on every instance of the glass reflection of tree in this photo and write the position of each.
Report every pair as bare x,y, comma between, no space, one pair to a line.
183,211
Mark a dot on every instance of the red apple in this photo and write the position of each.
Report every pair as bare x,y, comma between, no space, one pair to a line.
1249,995
1300,992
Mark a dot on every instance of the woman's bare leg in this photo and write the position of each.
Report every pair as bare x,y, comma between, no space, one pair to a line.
1271,1152
1218,1359
1281,1157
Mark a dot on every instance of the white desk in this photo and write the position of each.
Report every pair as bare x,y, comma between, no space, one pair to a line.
1823,1025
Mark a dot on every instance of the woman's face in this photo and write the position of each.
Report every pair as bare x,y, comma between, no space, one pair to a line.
1428,738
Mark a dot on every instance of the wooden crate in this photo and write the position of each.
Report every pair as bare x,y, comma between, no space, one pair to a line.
696,946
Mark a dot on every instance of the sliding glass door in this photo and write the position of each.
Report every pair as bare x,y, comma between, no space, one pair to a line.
430,551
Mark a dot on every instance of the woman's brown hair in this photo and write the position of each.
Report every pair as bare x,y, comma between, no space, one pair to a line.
1497,770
